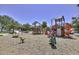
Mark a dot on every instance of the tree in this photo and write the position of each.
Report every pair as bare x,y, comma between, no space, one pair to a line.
75,23
44,27
2,22
8,23
26,27
44,24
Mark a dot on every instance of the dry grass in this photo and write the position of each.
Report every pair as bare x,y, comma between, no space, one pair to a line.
37,45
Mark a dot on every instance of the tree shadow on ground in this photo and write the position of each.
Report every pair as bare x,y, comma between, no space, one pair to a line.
70,37
14,36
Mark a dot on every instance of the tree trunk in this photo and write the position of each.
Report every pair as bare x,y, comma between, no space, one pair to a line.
1,29
13,30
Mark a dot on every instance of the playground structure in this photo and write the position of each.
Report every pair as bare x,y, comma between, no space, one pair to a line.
68,29
36,28
62,29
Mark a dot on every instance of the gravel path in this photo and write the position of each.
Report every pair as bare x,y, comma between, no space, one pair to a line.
37,45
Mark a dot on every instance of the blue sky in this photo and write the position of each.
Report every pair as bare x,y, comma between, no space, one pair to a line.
28,13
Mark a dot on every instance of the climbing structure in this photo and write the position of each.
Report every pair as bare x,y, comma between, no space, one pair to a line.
36,28
62,29
68,29
59,22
